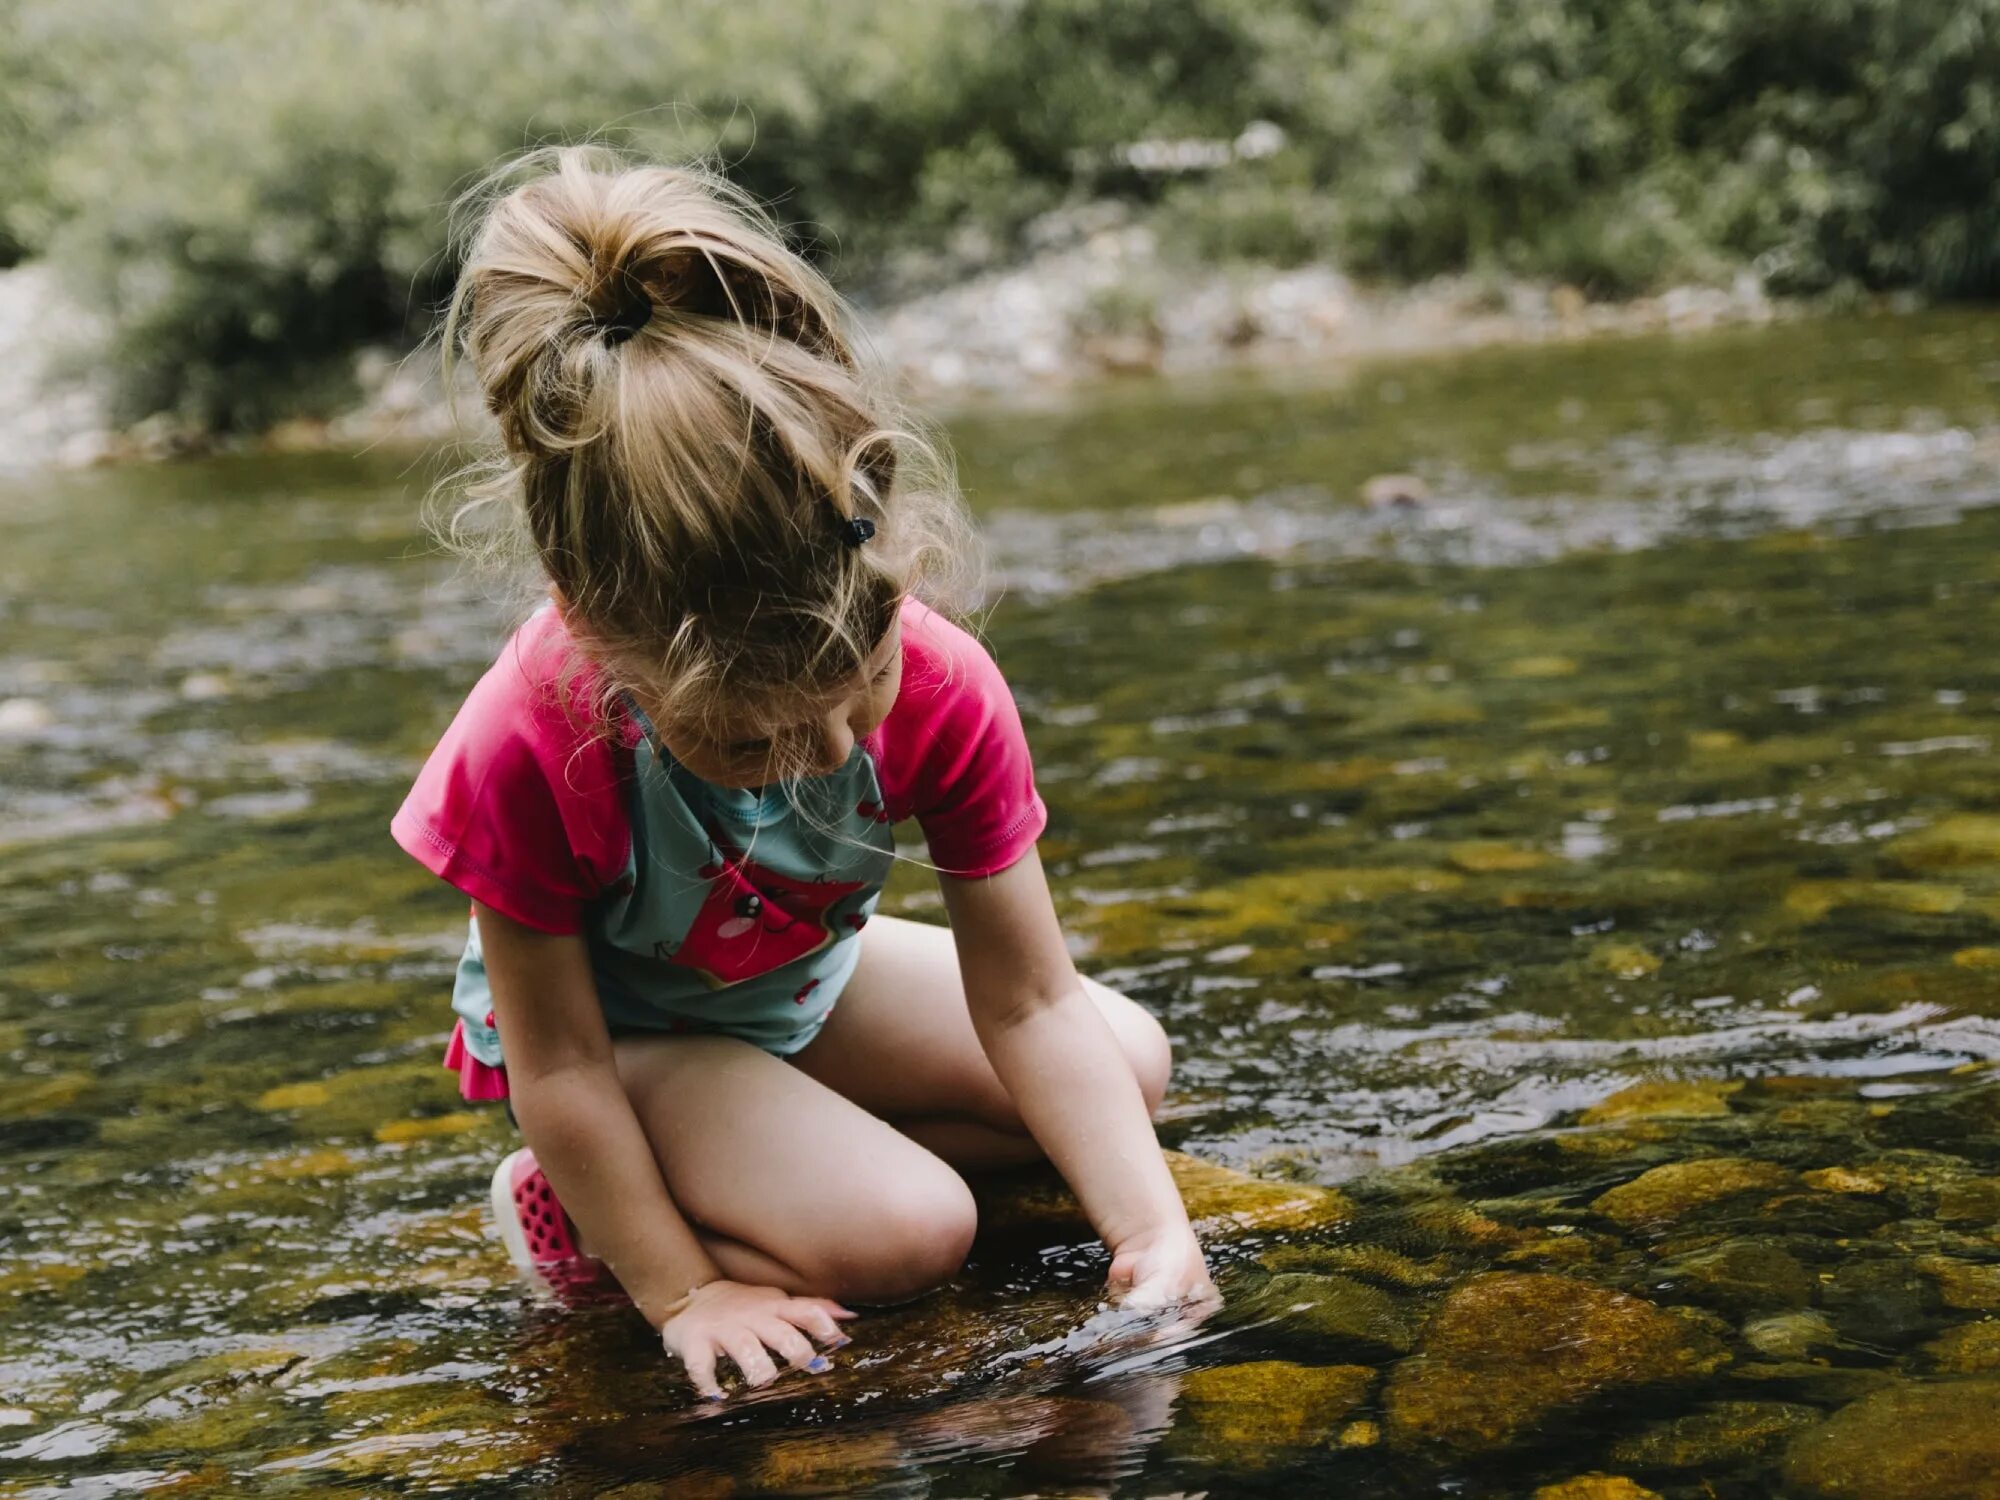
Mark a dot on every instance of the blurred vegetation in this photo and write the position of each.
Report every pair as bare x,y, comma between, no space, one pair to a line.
250,190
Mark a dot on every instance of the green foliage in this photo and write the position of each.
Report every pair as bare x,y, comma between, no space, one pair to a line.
250,190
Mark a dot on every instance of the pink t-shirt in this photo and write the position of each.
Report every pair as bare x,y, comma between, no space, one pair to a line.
523,805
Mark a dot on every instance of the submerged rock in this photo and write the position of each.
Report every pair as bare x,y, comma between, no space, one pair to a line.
1667,1194
1728,1432
1251,1413
1665,1099
1596,1487
1791,1335
1336,1308
1737,1276
1506,1351
1219,1201
1880,1301
1909,1442
1970,1349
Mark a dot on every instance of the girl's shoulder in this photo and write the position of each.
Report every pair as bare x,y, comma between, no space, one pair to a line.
953,752
521,803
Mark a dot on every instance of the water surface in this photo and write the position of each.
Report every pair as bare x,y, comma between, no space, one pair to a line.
1654,742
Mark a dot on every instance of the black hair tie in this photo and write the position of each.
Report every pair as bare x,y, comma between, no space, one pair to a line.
856,529
627,321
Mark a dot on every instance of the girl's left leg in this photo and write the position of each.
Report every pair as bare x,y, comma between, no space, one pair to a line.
900,1044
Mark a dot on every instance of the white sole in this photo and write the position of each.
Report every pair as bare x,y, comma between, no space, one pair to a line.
507,1220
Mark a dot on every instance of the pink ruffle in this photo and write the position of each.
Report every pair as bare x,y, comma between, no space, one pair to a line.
476,1080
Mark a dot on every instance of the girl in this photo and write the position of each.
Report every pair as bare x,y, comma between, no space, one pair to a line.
670,802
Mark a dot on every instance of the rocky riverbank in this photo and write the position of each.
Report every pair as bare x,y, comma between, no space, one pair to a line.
1097,299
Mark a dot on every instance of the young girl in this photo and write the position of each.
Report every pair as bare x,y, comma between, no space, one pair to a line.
670,802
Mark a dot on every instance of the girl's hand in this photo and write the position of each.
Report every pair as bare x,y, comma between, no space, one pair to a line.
726,1319
1162,1268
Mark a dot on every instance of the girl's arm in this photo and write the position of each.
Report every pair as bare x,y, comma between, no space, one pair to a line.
573,1111
1070,1080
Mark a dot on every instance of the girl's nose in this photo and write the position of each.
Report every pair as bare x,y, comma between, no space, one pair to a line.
835,744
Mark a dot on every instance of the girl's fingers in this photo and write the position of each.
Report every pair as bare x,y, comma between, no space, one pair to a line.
804,1313
832,1308
751,1360
790,1345
699,1361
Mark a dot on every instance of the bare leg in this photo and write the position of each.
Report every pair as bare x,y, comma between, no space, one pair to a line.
791,1185
901,1045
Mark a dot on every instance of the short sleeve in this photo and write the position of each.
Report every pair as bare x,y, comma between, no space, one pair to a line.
519,806
954,753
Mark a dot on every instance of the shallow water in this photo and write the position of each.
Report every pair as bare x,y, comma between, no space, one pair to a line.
1655,743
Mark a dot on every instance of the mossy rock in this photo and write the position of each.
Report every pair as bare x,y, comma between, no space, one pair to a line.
1969,1349
1975,1202
1596,1487
1252,1414
1665,1099
1881,1302
1968,839
1506,1351
1667,1194
1737,1276
1338,1309
1728,1432
1907,1442
1963,1284
1220,1202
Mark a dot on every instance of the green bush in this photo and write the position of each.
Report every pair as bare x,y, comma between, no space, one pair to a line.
251,190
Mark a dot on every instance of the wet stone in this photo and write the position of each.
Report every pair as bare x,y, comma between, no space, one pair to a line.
1906,1442
1810,1380
1249,1413
1791,1335
1881,1301
1339,1309
1737,1276
1667,1194
1975,1202
1596,1487
1969,1349
1727,1432
1964,1284
1507,1351
1665,1099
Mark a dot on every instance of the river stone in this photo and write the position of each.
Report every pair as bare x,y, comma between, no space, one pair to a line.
1219,1201
1338,1308
1805,1380
1726,1432
1975,1201
1908,1442
1249,1413
1596,1487
1970,1349
1670,1193
1508,1350
1371,1262
1880,1301
1964,1284
1737,1276
1665,1099
1968,839
1791,1335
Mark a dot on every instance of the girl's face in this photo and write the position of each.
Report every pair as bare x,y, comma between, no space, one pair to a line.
748,753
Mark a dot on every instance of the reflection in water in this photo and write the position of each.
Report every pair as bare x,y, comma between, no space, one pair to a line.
1654,745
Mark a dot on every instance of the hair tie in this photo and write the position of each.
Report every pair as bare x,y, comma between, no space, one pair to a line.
627,321
856,529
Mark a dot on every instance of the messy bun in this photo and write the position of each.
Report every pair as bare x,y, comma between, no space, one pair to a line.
688,439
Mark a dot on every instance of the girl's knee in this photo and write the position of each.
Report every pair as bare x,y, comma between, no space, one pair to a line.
915,1236
1144,1042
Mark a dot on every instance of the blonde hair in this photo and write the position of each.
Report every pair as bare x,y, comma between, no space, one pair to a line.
686,433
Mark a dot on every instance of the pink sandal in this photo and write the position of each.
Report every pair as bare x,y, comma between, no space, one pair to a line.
540,1239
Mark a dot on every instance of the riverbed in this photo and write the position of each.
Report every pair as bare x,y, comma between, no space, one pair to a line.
1633,743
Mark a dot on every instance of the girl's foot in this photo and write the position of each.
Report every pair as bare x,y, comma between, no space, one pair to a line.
540,1239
